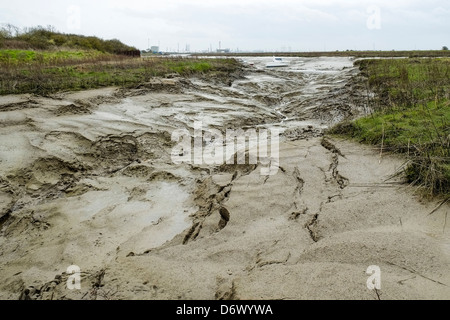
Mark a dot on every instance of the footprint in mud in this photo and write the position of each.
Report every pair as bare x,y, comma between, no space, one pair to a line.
224,218
115,152
72,109
163,176
46,173
138,171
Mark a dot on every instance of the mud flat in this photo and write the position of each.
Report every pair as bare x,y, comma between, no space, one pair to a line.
87,179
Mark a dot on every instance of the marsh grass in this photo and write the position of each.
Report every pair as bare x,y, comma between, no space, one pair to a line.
411,116
45,72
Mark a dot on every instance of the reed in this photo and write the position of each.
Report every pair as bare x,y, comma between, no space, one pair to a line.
410,115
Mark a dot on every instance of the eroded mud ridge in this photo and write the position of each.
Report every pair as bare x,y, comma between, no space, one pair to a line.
87,179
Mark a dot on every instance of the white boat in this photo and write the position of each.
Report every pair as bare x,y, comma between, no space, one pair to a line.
277,63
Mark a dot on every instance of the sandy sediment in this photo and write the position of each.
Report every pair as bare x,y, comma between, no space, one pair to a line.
87,179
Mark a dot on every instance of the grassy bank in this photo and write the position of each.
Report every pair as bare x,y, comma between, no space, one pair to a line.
42,61
40,38
411,116
44,72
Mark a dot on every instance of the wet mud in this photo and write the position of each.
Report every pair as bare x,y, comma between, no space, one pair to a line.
88,179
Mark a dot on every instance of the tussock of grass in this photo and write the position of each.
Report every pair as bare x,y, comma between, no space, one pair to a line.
16,57
187,67
411,116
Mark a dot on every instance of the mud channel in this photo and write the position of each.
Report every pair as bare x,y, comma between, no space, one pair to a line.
88,179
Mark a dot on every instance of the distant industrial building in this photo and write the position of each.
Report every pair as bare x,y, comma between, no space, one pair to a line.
154,49
220,50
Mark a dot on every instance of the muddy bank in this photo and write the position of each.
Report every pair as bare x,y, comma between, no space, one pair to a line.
87,179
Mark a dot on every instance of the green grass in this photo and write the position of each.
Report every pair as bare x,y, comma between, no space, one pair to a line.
411,116
18,57
44,72
407,82
397,128
185,67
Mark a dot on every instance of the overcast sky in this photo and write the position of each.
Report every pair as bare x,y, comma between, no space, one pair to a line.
275,25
